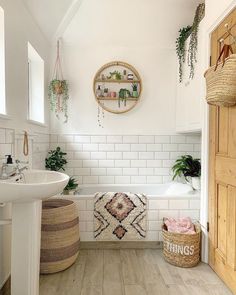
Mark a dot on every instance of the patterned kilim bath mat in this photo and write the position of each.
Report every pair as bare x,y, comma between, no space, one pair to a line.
119,216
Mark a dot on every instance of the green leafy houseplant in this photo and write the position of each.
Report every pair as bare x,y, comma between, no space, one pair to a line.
184,33
72,185
59,96
193,43
115,75
123,95
186,166
135,90
56,160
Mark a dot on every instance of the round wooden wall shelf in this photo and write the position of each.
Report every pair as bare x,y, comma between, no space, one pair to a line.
117,87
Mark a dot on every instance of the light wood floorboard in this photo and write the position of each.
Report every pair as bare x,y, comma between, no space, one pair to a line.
131,272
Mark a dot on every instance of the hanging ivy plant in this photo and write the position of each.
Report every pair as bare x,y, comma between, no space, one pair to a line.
59,96
184,33
59,89
193,43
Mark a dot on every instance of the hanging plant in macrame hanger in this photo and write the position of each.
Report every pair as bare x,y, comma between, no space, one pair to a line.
58,89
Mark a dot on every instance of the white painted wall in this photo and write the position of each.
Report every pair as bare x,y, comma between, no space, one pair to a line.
19,29
140,33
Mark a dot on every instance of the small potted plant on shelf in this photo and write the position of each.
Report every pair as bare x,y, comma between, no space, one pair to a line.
71,186
123,95
135,90
105,93
56,160
190,168
115,75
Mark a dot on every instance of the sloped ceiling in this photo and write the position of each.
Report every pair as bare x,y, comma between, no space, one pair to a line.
48,14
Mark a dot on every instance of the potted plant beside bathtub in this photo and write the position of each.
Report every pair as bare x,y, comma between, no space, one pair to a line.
56,160
71,186
190,168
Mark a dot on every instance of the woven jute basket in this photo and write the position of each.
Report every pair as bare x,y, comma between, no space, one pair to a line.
221,83
182,250
59,235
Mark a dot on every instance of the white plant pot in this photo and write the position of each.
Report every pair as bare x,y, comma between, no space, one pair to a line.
196,183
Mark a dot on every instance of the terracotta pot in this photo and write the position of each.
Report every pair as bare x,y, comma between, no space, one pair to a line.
58,88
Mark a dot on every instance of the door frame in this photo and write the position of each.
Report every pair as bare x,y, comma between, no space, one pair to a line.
205,137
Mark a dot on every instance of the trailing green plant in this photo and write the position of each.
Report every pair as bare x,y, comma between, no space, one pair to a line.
59,96
184,33
186,166
193,43
56,160
115,75
72,185
135,87
123,95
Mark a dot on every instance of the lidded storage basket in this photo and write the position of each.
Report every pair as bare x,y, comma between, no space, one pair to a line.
59,235
182,250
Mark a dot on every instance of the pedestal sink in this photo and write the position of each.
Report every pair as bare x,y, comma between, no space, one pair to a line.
26,193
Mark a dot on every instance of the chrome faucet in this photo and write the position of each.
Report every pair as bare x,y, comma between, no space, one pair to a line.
18,170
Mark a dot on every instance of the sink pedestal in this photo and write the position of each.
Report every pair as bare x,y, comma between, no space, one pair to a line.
26,235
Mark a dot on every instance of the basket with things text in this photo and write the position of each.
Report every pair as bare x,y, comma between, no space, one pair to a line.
182,249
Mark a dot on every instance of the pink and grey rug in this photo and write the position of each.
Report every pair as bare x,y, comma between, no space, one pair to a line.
119,216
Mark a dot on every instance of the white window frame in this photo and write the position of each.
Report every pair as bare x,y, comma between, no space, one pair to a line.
36,77
3,110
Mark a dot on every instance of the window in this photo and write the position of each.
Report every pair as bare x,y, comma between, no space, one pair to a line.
2,65
36,85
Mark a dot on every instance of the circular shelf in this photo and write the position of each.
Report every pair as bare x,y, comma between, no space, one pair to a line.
117,78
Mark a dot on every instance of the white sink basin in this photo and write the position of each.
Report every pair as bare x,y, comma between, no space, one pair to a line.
35,185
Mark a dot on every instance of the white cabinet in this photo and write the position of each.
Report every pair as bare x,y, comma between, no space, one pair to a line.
188,100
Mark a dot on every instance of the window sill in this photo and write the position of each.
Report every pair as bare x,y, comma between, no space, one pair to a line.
37,123
4,117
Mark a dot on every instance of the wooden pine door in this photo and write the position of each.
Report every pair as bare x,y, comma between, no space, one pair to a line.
222,175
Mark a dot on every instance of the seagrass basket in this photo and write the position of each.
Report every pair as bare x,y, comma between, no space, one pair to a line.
59,235
182,250
221,83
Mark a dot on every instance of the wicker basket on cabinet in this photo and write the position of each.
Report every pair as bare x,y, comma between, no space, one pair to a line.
59,235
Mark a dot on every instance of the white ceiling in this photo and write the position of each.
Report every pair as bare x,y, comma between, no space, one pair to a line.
48,14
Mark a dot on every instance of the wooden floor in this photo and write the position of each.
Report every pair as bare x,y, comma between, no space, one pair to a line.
130,272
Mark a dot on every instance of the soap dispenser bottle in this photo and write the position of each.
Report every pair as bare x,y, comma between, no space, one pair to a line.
9,160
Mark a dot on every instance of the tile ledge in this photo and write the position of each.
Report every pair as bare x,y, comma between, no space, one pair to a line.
37,123
4,117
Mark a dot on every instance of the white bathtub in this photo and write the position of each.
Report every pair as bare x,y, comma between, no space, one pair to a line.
164,200
168,189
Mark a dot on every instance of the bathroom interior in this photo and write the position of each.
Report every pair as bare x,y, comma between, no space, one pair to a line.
117,147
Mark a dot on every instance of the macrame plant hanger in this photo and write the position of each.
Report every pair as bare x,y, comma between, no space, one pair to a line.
59,88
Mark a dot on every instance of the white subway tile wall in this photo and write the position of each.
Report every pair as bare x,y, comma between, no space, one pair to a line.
124,159
7,138
41,145
157,208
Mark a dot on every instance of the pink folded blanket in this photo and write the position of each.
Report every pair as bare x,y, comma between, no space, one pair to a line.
181,225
